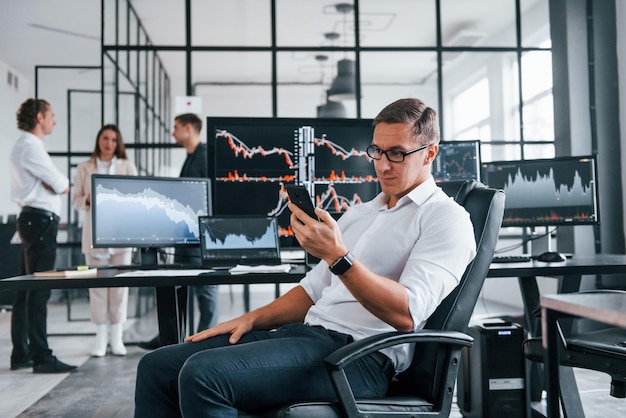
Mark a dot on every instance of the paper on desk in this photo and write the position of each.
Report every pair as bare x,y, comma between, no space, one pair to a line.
163,273
280,268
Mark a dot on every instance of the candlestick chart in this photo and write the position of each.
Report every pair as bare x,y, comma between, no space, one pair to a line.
255,157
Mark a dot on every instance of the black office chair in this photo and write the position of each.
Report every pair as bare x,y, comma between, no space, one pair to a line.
427,387
602,350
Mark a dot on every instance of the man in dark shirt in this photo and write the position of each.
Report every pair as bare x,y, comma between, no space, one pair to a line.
187,129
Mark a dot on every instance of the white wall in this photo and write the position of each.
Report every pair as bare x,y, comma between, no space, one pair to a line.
10,99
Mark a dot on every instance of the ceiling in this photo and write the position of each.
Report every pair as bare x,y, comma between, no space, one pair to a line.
67,32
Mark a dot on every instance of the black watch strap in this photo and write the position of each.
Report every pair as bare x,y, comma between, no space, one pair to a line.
342,264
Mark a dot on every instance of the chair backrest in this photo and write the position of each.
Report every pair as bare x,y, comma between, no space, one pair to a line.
486,208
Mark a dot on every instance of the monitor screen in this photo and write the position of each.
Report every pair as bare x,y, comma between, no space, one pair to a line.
239,239
545,192
457,160
254,158
147,212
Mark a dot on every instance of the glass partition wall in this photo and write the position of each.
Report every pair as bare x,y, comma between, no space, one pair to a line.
485,65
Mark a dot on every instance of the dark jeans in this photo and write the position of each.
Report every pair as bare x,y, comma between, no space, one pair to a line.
38,234
213,378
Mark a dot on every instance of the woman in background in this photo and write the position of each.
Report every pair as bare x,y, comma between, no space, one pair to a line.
108,305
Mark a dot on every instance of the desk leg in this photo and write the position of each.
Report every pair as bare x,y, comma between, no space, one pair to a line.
551,361
571,403
246,297
530,297
568,390
191,311
182,296
167,313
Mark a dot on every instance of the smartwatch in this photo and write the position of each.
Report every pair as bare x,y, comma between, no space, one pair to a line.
342,264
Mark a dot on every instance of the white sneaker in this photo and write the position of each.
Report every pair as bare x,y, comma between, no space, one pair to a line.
117,343
101,341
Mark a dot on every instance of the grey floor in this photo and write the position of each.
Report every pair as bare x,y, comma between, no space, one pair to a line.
104,387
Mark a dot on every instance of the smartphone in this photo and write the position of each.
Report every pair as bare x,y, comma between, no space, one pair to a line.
300,197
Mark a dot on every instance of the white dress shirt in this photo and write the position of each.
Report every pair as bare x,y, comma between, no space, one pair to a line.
31,167
425,242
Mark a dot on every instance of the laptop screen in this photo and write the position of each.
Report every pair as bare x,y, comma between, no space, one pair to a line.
239,240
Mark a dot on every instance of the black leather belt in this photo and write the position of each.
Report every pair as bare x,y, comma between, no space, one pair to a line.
42,212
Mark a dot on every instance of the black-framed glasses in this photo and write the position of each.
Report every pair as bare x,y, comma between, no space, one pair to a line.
393,155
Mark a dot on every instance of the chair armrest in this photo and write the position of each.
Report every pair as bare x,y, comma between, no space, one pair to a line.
342,357
345,355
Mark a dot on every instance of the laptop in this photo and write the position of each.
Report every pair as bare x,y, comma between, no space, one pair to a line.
227,241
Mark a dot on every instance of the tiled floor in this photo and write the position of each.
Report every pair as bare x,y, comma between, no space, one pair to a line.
104,387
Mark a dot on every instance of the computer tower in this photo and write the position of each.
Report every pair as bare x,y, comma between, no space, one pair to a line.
491,379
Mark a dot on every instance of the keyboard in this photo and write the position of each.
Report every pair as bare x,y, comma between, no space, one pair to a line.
511,258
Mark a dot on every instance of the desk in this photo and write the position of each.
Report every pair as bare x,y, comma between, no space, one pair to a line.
569,274
170,322
609,308
171,318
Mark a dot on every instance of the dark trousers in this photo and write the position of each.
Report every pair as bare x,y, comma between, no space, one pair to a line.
206,295
38,233
213,378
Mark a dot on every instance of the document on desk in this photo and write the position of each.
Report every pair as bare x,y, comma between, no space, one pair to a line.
279,268
163,273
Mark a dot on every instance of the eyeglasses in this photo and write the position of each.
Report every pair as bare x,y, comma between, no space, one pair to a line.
395,156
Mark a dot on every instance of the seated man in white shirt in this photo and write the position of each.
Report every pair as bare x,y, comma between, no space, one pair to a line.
392,261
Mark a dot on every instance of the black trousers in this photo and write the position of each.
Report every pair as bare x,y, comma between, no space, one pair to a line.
38,233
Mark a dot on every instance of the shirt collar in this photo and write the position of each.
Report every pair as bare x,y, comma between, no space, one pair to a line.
419,195
109,167
26,134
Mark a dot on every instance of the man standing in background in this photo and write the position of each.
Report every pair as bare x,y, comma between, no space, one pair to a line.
36,186
187,128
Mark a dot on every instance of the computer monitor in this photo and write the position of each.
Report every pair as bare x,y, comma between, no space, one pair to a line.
457,160
232,240
147,212
254,158
546,192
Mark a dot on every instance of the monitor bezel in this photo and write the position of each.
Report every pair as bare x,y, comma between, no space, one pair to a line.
595,203
151,244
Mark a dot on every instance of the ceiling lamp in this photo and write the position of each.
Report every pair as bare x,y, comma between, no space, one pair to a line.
343,86
331,109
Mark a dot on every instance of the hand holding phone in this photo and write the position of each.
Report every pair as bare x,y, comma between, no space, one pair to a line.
300,197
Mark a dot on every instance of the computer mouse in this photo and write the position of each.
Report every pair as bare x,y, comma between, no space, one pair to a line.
551,257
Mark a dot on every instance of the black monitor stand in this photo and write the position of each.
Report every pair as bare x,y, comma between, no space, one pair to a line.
149,260
149,257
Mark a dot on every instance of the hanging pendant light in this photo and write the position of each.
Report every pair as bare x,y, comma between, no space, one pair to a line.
331,109
343,86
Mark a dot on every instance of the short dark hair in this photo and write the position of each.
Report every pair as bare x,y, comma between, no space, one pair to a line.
120,150
190,118
414,111
28,111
